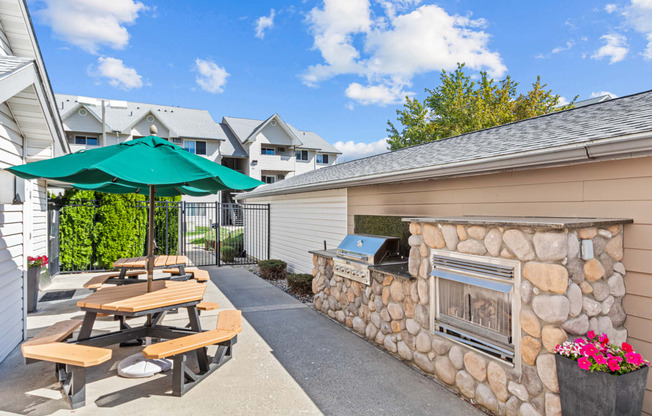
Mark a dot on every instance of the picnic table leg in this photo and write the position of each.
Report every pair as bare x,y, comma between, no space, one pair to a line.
193,316
123,273
87,326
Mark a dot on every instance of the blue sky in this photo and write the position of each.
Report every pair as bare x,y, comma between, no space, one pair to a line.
338,67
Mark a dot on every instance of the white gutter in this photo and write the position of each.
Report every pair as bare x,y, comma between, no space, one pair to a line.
638,144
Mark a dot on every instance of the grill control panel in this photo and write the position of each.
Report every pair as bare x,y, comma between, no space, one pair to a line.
352,270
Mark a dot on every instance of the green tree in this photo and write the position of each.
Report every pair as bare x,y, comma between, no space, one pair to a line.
460,105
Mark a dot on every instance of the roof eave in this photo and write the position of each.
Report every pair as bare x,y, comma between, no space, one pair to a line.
628,146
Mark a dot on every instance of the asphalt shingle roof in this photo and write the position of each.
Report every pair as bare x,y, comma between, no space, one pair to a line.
604,120
243,127
185,122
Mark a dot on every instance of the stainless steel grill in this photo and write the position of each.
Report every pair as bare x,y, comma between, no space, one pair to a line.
359,251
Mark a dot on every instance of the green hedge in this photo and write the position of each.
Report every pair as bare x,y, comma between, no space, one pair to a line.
384,225
272,269
97,228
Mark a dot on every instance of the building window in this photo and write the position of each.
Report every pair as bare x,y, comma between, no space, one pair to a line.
177,141
301,154
84,140
268,179
267,151
195,209
322,159
280,177
195,146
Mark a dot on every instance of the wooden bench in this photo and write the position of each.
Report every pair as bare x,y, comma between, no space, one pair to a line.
229,325
207,306
96,282
197,274
71,360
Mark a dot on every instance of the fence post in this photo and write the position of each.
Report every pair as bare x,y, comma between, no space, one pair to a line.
269,232
167,223
218,233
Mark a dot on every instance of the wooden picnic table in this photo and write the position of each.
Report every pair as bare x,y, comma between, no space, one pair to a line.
134,300
140,263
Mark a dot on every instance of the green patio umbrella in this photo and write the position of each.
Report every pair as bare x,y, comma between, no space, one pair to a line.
116,188
145,163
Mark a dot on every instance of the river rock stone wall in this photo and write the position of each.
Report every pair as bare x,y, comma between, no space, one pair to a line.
562,297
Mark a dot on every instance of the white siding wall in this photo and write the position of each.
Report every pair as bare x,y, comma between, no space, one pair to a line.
11,238
142,128
302,222
87,123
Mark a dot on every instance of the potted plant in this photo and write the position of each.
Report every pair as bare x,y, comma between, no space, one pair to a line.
34,265
599,378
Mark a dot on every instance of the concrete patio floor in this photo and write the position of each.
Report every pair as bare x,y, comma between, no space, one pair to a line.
289,360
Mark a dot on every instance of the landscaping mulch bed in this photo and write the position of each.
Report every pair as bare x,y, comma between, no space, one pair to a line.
281,284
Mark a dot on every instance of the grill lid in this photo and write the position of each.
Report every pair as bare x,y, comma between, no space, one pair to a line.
363,243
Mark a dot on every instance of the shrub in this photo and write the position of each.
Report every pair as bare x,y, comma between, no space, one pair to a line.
300,283
272,269
227,254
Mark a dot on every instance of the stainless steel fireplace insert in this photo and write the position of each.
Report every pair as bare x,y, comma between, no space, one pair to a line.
474,301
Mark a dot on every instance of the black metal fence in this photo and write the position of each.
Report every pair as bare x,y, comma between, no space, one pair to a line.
225,233
87,236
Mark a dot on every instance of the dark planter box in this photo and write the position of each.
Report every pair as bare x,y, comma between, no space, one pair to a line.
585,393
33,278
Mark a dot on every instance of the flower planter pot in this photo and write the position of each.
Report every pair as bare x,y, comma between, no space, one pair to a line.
585,393
33,279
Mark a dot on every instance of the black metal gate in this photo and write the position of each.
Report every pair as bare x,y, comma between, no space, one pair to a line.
225,233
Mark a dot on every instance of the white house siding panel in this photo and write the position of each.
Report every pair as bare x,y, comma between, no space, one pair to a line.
301,222
304,166
274,135
11,239
87,123
142,128
39,232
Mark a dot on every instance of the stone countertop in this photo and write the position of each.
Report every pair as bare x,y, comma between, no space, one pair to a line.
396,269
325,253
535,222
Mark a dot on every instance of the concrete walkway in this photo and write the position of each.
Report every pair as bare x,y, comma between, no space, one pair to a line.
289,360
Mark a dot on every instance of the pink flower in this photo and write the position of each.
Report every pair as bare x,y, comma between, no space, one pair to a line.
627,348
604,338
599,359
580,341
590,335
589,350
634,358
613,365
584,363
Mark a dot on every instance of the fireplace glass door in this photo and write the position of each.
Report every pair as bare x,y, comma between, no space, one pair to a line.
476,309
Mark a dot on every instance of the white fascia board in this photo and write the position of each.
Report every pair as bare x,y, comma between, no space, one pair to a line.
615,148
11,83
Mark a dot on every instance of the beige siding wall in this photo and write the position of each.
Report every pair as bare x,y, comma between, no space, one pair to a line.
607,189
302,222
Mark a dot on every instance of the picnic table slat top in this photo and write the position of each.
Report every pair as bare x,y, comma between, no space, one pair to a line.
141,262
135,298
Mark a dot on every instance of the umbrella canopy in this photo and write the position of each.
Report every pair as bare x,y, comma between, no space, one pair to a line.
149,163
116,188
139,163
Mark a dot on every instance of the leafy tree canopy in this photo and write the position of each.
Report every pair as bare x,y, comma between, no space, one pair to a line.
461,105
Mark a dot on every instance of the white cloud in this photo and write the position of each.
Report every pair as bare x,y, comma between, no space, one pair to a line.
355,150
568,46
263,23
91,24
376,94
610,8
117,74
601,93
615,48
390,47
639,14
211,78
562,101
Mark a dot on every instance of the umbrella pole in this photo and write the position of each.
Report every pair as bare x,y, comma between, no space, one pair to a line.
150,243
